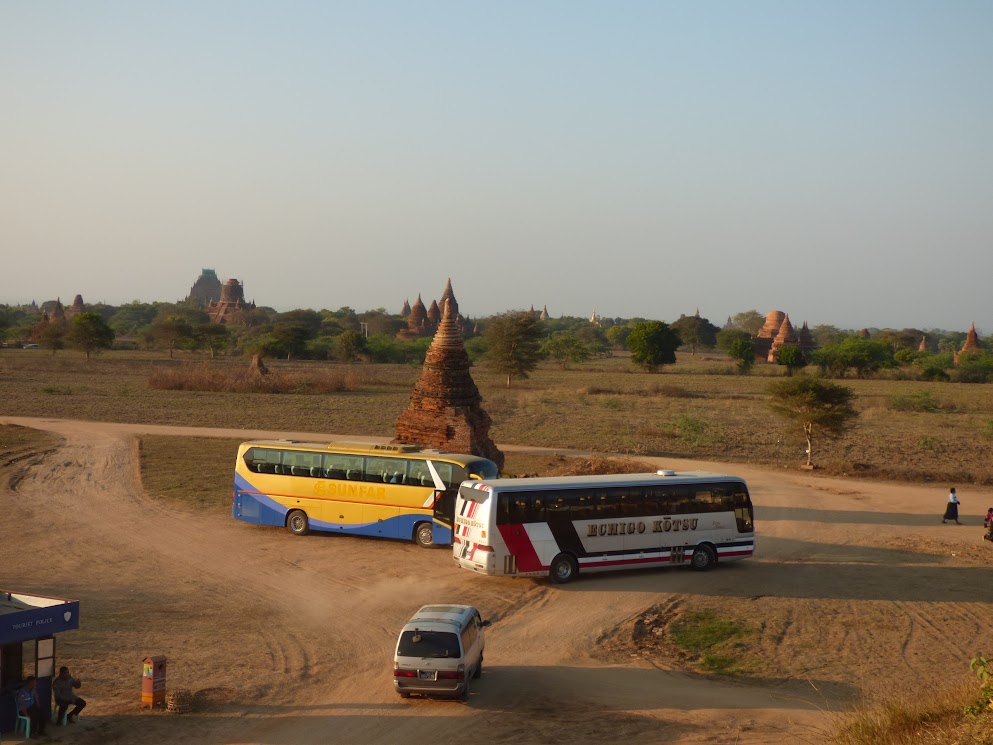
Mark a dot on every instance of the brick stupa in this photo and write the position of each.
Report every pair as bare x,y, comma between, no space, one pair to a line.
445,410
971,343
76,308
767,334
785,338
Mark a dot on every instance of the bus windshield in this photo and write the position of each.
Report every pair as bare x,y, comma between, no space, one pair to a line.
483,469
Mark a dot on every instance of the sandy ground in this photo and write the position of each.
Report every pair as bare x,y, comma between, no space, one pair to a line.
288,640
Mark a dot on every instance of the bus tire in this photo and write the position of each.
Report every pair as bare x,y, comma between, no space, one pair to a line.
703,559
563,569
424,535
297,522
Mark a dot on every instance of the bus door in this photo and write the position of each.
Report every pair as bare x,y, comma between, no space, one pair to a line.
446,478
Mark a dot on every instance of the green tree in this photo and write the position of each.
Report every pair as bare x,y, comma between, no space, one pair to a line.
566,346
696,332
88,333
792,359
743,350
826,335
53,336
726,337
618,336
348,345
653,344
513,343
749,321
212,336
172,331
815,406
865,356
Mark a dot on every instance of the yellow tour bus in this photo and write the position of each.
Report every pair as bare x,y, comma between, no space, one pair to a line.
384,491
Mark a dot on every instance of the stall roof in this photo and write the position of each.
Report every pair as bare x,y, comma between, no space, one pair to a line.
24,616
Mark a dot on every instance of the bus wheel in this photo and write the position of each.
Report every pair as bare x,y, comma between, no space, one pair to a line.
424,535
703,558
298,523
563,569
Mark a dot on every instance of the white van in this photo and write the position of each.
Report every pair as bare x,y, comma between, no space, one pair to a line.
438,651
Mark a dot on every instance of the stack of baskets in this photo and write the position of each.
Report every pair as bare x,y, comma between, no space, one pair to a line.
180,701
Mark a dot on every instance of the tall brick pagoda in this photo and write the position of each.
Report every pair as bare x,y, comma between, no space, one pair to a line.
971,343
446,410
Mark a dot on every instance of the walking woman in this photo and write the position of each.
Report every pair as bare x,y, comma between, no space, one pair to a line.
952,510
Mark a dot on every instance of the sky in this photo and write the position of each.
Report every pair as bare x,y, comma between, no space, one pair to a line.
833,160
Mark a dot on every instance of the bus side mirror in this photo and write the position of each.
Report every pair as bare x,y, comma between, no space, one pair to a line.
485,623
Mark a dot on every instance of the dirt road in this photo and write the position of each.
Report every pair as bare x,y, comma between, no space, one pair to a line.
288,640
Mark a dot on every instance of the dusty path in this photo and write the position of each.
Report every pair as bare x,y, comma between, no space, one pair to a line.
289,640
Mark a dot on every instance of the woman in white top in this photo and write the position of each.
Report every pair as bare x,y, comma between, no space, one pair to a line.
952,510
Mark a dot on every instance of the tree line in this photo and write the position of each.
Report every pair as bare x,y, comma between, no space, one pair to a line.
514,341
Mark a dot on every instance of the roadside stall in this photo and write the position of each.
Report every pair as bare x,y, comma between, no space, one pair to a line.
28,625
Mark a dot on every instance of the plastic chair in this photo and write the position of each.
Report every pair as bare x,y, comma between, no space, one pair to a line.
65,715
24,723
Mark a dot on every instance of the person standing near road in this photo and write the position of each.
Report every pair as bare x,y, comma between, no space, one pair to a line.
65,696
27,706
952,510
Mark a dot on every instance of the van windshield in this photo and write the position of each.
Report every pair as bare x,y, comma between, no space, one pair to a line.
428,644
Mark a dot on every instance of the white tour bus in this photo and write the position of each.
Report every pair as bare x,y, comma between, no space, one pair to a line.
561,526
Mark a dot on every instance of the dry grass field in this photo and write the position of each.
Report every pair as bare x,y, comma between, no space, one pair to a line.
908,430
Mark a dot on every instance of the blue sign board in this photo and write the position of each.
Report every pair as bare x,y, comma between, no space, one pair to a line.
36,623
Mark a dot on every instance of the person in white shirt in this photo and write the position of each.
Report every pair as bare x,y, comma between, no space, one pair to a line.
952,510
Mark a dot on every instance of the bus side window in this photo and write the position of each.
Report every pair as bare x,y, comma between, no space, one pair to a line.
583,509
537,512
684,500
384,470
503,509
557,508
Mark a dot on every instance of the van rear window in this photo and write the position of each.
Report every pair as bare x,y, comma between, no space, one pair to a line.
428,644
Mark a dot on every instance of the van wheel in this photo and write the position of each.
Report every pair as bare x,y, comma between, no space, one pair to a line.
563,569
479,669
464,696
703,558
424,535
403,694
298,523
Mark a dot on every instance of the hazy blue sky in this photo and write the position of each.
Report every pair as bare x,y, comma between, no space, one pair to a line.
830,159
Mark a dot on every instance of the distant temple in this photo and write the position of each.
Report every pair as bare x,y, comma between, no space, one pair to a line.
971,343
777,332
424,321
785,338
206,290
76,308
232,301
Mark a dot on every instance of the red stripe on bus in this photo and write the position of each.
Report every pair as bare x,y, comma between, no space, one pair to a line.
519,543
736,553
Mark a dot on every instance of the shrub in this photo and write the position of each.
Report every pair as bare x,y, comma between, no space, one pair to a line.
921,401
935,374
